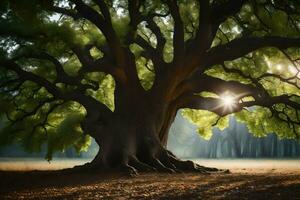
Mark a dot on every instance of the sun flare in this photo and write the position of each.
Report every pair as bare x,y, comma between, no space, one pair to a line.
228,100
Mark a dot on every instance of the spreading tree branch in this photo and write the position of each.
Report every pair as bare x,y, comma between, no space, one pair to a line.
64,11
87,101
105,26
240,47
221,12
178,37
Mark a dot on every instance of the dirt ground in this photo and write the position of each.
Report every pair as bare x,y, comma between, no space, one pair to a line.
240,184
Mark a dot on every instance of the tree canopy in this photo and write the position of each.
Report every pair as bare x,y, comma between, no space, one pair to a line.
211,58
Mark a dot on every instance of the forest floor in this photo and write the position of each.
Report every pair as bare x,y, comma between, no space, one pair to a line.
242,183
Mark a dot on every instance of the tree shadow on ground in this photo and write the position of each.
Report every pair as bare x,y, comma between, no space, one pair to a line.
66,185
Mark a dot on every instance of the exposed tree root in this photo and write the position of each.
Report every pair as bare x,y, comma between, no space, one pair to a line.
128,170
166,162
141,166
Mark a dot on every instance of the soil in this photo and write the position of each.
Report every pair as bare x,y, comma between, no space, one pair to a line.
239,184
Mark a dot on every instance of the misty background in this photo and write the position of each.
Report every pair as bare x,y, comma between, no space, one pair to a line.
184,141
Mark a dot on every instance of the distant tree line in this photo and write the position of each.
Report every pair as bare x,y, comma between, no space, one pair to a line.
16,150
233,142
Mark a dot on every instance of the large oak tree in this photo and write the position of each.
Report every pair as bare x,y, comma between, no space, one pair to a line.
119,71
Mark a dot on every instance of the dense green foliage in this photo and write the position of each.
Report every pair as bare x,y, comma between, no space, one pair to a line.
30,114
261,21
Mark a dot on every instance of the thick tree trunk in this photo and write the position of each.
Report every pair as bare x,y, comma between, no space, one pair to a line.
134,137
130,142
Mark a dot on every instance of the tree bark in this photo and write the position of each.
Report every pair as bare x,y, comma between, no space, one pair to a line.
129,141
